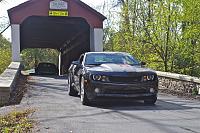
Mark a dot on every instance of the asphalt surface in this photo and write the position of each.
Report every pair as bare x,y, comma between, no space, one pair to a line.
56,112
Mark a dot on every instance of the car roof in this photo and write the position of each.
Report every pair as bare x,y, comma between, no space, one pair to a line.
106,53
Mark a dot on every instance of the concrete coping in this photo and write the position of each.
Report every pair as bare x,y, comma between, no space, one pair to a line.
179,77
8,76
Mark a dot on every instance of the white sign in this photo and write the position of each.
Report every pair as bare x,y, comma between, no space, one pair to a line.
58,4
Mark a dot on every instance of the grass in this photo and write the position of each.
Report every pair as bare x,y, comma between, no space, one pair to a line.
17,122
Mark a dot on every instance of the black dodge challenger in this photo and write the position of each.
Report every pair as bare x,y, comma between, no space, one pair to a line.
101,75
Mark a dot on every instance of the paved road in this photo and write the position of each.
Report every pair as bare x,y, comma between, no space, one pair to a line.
59,113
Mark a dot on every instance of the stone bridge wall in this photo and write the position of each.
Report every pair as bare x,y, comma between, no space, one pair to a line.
8,81
179,83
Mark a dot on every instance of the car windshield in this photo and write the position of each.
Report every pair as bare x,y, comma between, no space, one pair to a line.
46,65
113,58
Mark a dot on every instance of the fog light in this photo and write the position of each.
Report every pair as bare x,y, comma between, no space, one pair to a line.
97,90
152,90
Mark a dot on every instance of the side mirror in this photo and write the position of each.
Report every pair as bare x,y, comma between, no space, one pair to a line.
75,63
143,63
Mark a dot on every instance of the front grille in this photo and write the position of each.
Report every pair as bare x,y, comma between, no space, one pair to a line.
123,91
124,79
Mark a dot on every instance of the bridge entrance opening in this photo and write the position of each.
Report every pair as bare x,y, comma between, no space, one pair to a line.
31,57
69,35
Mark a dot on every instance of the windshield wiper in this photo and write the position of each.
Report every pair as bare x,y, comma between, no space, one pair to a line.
93,64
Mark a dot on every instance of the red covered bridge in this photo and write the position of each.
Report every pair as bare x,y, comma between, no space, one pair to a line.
70,26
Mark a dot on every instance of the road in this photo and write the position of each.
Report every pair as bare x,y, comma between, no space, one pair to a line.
56,112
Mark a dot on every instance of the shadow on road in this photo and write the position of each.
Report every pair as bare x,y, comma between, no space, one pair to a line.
43,84
139,105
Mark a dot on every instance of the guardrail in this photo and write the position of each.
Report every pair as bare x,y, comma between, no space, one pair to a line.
179,83
8,82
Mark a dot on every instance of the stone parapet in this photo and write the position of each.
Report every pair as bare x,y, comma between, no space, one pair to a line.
8,82
179,83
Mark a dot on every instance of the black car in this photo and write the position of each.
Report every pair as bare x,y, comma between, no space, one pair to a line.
45,68
101,75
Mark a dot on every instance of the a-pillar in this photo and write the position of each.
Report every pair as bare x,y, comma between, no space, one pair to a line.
96,39
15,38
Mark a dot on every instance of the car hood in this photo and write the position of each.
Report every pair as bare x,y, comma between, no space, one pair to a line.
118,68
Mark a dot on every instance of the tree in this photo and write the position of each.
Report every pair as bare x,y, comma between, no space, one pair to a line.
5,53
164,33
190,38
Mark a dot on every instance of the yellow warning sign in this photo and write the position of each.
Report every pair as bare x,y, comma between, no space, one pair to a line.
58,13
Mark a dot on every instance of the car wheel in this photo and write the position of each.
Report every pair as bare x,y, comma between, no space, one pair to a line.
151,101
83,95
71,90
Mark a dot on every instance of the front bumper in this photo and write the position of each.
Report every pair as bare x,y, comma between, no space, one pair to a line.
139,90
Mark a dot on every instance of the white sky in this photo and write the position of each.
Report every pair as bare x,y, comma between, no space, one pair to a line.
7,4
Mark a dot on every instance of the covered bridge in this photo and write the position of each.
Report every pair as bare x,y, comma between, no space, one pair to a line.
70,26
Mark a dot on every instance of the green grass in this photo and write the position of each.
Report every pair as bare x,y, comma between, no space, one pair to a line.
17,122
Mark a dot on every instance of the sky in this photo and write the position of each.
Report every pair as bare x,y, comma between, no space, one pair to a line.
7,4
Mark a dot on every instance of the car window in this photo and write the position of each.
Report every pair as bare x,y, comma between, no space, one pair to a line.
46,68
116,58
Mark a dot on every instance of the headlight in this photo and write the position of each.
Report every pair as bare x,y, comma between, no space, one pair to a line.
148,78
97,77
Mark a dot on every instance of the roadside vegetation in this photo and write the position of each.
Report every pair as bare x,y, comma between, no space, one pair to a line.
17,122
5,45
5,53
165,34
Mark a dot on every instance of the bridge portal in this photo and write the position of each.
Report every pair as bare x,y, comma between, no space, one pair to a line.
70,26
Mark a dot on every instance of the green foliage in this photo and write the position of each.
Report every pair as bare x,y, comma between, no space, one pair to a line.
31,57
5,54
4,43
5,59
165,34
16,122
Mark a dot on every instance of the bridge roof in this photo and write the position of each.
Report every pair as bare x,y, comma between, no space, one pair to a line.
76,8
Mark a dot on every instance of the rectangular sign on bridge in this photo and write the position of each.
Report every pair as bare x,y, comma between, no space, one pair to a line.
58,13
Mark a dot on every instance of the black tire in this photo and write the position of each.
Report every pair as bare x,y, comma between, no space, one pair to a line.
83,95
71,90
150,101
